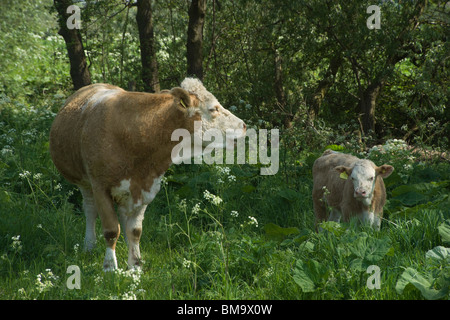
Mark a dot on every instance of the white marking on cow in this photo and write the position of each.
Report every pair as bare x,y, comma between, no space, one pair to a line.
148,196
101,95
363,178
110,262
128,205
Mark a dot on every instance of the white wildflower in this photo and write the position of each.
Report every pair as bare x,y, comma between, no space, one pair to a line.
7,150
234,214
16,244
253,221
187,263
196,208
37,176
45,281
182,205
215,200
24,174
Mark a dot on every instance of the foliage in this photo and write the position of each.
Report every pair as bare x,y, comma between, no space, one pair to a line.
226,232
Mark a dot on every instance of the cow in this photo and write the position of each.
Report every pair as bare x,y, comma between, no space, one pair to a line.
116,145
350,187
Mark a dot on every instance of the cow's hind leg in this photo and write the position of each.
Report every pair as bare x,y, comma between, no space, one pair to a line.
91,216
110,225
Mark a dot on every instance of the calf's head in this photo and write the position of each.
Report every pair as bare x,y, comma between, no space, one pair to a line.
216,120
363,175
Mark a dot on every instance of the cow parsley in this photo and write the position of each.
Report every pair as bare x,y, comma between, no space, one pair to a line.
253,221
196,208
16,245
46,281
215,200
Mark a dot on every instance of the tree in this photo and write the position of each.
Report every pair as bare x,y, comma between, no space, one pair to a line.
147,45
194,44
79,70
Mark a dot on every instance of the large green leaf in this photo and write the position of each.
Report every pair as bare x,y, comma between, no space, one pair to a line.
444,231
438,253
276,232
310,274
424,283
289,194
368,250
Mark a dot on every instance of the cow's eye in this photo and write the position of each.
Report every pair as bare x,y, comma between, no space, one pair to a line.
371,179
215,109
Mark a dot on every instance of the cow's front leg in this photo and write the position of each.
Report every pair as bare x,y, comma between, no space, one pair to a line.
133,231
335,215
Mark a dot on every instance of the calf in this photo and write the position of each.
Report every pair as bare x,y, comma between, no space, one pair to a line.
349,186
116,145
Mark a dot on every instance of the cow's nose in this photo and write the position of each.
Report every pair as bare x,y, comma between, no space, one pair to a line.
244,126
360,193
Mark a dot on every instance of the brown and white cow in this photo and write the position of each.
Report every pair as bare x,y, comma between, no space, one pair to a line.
350,187
116,146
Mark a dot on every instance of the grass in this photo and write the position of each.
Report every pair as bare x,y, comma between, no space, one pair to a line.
215,232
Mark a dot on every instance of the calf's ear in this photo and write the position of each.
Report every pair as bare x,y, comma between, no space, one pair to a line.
344,171
384,171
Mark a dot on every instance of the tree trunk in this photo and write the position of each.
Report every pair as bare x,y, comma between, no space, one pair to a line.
79,71
194,44
147,40
367,106
279,91
322,87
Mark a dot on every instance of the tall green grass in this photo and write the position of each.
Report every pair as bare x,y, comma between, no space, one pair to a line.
217,232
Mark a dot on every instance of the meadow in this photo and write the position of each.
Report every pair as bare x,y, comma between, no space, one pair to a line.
220,232
227,232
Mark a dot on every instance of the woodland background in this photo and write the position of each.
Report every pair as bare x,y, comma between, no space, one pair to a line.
312,69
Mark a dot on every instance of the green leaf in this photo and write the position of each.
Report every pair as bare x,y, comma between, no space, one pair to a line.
310,274
368,250
424,283
248,188
274,231
444,231
334,227
334,147
289,194
438,253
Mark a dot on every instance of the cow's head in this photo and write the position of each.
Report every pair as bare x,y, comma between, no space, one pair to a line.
215,118
363,175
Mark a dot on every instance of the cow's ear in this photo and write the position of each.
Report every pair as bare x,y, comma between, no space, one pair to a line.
182,98
344,171
384,171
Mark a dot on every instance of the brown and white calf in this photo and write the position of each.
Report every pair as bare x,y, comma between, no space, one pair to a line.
116,145
350,187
